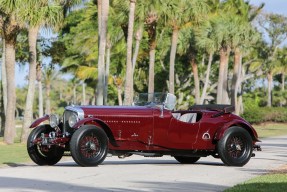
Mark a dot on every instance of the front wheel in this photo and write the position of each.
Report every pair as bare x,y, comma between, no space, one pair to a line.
235,148
41,154
186,160
89,146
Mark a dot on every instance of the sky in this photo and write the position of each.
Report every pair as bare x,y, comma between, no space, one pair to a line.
274,6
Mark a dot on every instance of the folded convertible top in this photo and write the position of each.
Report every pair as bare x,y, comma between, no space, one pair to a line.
214,107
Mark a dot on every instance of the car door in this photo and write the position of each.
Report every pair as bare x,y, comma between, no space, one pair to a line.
183,130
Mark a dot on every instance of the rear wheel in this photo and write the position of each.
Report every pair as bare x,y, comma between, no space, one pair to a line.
43,155
186,160
235,148
89,146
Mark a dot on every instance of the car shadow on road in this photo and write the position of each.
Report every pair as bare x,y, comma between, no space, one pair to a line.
22,184
12,164
143,162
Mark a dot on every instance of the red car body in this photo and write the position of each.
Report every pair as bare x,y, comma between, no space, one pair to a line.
152,130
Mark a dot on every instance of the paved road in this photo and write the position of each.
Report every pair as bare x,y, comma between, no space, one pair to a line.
142,174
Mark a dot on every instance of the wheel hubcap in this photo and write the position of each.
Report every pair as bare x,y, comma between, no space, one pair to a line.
235,147
89,146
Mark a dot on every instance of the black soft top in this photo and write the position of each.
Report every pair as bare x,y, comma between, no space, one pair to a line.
214,107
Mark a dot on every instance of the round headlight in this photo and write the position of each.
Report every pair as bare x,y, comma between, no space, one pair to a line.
54,120
73,119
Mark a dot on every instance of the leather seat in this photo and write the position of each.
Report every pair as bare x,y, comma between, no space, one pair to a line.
188,118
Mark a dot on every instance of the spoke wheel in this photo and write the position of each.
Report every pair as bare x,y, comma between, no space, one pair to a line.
43,155
235,148
89,146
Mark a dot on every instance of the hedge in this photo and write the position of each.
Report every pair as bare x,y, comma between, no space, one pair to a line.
265,114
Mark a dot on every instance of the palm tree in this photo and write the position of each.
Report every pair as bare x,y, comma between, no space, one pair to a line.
282,57
275,26
151,26
40,13
129,68
3,88
10,29
119,83
3,75
40,90
205,41
49,75
244,37
179,14
102,49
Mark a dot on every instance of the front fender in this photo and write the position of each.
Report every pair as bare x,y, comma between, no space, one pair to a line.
100,123
240,123
39,121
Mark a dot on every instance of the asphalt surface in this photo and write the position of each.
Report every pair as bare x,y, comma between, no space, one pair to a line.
138,173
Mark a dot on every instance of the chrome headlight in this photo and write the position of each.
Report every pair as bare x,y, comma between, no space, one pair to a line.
54,120
73,119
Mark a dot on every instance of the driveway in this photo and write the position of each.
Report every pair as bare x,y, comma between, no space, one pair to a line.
138,173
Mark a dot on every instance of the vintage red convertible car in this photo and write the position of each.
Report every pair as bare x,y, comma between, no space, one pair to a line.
151,128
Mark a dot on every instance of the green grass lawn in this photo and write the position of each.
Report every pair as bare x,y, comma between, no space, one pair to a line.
271,129
264,183
13,154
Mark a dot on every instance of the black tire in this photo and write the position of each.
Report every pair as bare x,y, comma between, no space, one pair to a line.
43,155
186,160
235,148
89,146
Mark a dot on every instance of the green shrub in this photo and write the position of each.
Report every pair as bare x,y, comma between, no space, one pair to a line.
265,114
253,115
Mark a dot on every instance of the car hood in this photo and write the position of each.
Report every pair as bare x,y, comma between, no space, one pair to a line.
91,110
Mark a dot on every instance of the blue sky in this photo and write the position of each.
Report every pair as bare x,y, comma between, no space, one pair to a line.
275,6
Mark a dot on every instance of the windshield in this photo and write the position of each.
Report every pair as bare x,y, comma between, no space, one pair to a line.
143,99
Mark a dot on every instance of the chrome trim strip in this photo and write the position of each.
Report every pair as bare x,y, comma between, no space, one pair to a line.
76,109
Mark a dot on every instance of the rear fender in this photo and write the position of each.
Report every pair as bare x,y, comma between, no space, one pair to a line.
39,121
240,123
99,123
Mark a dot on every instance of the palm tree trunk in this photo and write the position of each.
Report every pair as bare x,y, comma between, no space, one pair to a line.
40,87
120,96
152,46
137,46
4,77
4,90
107,72
235,78
151,71
129,82
196,80
118,82
99,5
225,97
270,83
28,113
48,102
75,94
41,105
206,79
283,81
9,133
102,48
222,66
174,40
84,93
